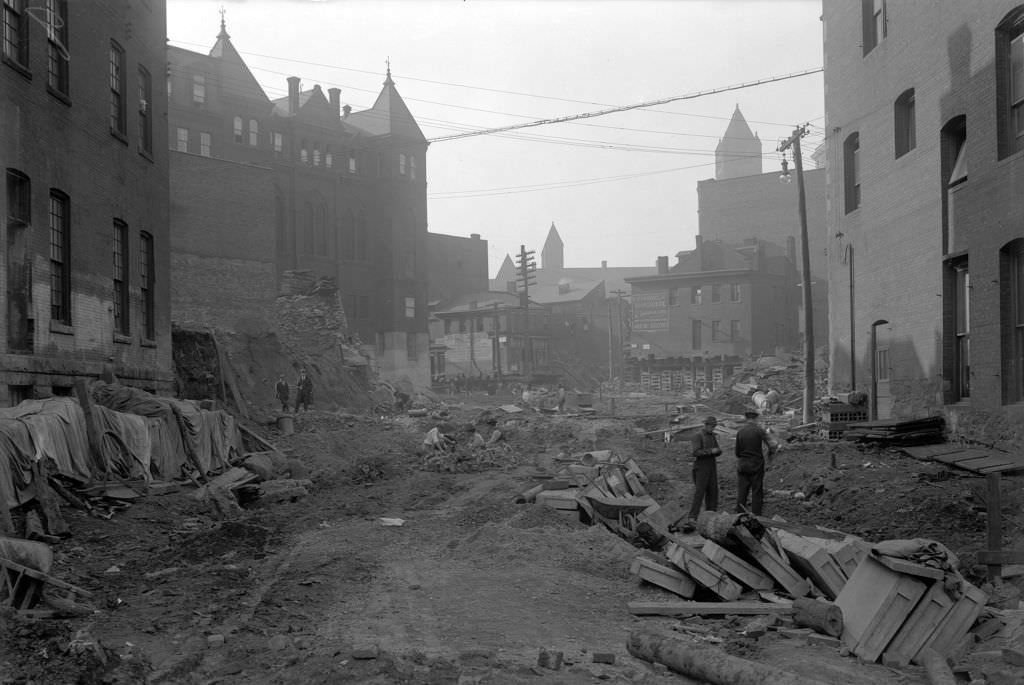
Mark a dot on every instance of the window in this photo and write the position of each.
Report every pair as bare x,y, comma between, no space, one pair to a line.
16,31
145,119
1011,279
204,143
882,363
254,132
402,161
304,153
412,167
57,57
352,164
117,87
734,330
695,329
410,307
905,128
238,130
673,297
851,171
60,267
734,292
962,354
316,155
1009,62
182,140
716,331
953,150
198,89
146,267
19,199
874,23
462,325
411,353
278,143
695,295
716,293
328,158
121,324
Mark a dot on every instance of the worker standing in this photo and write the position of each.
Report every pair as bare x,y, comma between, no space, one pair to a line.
751,440
705,472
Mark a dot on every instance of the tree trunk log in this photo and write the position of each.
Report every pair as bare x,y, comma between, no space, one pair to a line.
707,663
825,617
936,668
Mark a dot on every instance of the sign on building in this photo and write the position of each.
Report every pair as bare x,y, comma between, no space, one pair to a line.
650,311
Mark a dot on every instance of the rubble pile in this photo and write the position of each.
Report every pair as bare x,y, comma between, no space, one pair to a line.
783,373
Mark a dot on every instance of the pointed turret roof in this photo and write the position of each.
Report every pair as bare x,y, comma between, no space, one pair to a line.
553,239
233,70
552,255
738,128
388,116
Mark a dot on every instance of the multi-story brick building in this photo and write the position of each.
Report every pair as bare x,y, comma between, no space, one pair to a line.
307,184
86,264
741,202
924,108
456,266
718,305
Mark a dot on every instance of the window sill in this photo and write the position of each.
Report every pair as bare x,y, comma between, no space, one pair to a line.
1010,156
120,136
147,342
122,339
58,95
61,327
18,67
146,155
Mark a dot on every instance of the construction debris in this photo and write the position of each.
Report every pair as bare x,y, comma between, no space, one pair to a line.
924,431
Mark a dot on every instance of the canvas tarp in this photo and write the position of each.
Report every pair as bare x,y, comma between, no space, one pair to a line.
125,443
17,452
57,426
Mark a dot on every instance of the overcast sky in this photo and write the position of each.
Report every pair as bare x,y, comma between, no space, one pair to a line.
621,187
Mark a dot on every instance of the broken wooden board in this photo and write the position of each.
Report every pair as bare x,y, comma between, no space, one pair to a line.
850,554
957,622
707,608
919,626
906,566
559,499
746,573
704,571
813,562
772,561
981,460
927,452
663,576
875,601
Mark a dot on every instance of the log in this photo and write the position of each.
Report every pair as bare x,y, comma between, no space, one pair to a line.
824,617
707,608
529,495
936,668
705,663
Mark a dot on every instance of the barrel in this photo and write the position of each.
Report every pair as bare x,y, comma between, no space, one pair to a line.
286,424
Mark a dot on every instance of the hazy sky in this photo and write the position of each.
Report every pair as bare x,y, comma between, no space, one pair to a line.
621,187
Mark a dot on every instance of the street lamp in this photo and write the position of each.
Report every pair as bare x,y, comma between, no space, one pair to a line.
785,177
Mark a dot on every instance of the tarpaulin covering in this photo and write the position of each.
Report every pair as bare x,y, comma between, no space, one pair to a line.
17,452
57,426
125,443
220,441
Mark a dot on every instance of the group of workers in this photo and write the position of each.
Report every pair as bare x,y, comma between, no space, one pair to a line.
303,392
753,445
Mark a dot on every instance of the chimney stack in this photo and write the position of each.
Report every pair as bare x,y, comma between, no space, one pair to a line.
335,99
604,263
662,263
345,111
293,95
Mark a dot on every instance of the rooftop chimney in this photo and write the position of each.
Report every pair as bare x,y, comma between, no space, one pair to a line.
662,263
335,99
604,263
345,111
474,236
293,95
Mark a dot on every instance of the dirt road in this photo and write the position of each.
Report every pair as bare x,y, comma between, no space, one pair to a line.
468,589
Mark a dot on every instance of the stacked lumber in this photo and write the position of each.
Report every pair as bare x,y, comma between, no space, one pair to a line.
924,431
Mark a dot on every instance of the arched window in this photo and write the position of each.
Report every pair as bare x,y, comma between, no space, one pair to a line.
1009,65
304,153
412,167
238,130
328,158
316,155
904,123
254,132
851,171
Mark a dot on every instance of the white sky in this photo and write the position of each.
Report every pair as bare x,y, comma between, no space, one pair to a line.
485,64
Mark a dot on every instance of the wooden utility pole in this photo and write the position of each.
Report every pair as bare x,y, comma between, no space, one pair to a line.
526,268
794,142
618,324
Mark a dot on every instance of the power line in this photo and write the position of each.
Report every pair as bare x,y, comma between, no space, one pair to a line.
624,108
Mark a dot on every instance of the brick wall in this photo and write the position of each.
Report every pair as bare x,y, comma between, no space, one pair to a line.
456,266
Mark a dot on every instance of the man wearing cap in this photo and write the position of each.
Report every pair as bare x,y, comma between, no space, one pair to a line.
705,472
750,441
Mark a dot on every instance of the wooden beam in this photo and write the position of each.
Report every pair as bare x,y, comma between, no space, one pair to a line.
1000,557
708,608
995,522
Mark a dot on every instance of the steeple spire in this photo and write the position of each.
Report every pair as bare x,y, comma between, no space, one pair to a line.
223,26
387,80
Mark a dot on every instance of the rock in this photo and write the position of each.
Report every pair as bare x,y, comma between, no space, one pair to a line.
370,652
283,490
279,642
215,640
296,470
549,660
603,658
260,464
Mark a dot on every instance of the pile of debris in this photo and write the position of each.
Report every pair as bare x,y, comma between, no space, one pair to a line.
926,431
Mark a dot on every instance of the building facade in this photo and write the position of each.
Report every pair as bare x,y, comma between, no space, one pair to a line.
86,265
457,266
338,193
718,305
926,204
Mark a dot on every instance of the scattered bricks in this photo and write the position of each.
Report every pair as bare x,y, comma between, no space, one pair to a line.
604,658
367,652
823,640
215,640
1013,656
549,660
279,642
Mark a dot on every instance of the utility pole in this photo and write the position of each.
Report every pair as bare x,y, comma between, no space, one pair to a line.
794,142
618,322
526,268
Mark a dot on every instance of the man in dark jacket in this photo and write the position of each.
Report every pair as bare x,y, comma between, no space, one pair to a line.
303,392
282,393
705,472
751,440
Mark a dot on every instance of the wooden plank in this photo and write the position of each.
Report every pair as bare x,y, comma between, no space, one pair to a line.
963,455
801,529
814,562
1000,557
984,463
694,564
663,576
1007,468
993,504
708,608
773,562
926,452
558,499
919,626
747,574
957,622
909,567
849,555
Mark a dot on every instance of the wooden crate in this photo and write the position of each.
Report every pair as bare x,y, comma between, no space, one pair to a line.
875,602
747,574
704,571
559,499
663,576
919,626
772,560
958,621
813,562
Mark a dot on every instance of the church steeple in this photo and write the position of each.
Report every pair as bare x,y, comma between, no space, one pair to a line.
552,255
739,151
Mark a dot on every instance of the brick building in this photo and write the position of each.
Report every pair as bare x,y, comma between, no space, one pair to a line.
925,112
317,187
718,305
457,266
742,202
86,265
